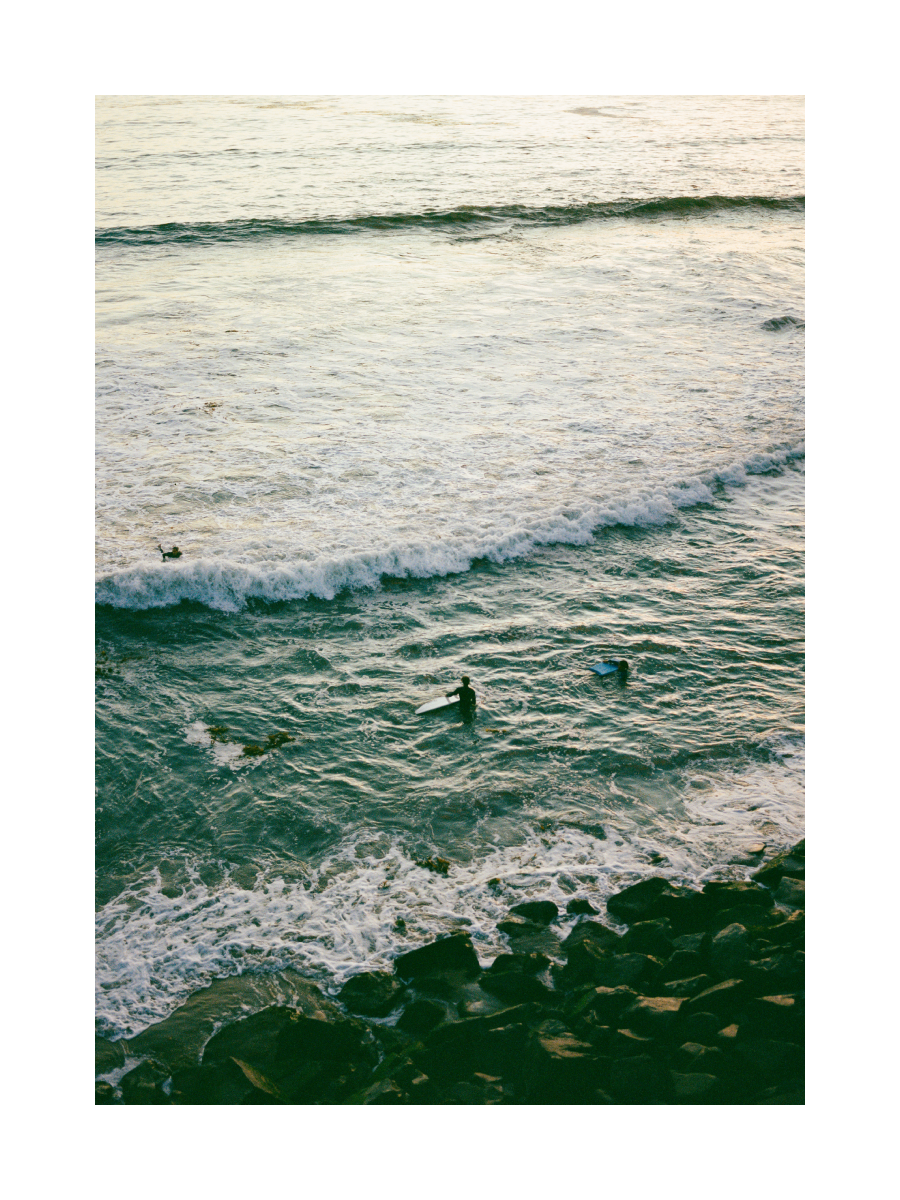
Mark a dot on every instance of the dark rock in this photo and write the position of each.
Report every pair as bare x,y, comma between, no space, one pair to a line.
701,1027
422,1016
790,931
770,1060
695,943
440,866
693,1056
531,964
454,953
639,1080
576,907
592,931
253,1039
635,902
683,964
107,1055
104,1093
142,1084
729,952
778,1016
684,987
560,1068
649,937
626,1042
728,1035
655,1016
542,912
734,893
791,892
588,964
778,974
385,1091
371,993
723,998
751,916
789,862
516,927
606,1003
305,1039
517,987
219,1083
694,1088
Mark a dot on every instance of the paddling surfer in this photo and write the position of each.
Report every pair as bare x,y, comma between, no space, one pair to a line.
173,553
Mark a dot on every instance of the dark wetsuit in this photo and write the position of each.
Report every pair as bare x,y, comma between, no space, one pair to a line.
466,696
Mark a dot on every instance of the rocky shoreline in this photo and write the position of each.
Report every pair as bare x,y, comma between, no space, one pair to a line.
700,1001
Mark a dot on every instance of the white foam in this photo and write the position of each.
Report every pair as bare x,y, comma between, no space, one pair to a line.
341,916
228,586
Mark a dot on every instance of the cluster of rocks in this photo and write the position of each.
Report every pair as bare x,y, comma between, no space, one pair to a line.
700,1001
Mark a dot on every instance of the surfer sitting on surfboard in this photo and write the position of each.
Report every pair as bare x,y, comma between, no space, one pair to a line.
466,695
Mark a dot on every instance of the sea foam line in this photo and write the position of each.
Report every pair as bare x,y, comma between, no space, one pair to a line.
227,586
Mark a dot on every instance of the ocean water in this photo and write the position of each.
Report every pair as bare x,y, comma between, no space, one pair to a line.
501,386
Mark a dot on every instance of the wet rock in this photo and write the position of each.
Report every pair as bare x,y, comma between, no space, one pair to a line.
654,1016
684,987
751,916
453,953
791,892
790,862
440,866
422,1016
768,1059
561,1068
734,893
788,932
143,1084
220,1083
701,1027
626,1042
531,964
372,993
729,952
778,974
724,998
542,912
693,1056
776,1016
649,937
577,907
516,987
682,964
605,1003
592,931
634,903
107,1055
253,1039
104,1093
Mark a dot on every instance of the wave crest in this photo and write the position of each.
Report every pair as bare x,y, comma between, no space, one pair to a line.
228,586
464,217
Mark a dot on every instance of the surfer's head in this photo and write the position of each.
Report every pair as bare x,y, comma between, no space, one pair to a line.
465,680
623,666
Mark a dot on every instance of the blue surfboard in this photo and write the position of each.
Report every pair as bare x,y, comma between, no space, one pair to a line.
605,668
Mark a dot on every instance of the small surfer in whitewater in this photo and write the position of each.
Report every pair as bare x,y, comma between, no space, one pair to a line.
466,695
173,553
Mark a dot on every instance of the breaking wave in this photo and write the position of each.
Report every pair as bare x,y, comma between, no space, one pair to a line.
227,586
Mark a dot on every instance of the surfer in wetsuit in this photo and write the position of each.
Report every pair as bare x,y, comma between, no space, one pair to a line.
173,553
622,668
466,696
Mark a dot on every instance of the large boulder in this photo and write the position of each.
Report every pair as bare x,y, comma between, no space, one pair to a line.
789,862
560,1067
733,893
143,1083
649,937
723,999
453,953
791,892
635,903
654,1016
729,952
592,931
371,993
542,912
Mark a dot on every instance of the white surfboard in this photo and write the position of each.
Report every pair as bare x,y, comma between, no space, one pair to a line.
441,702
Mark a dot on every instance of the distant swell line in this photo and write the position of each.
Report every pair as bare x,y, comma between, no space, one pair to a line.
464,217
228,586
